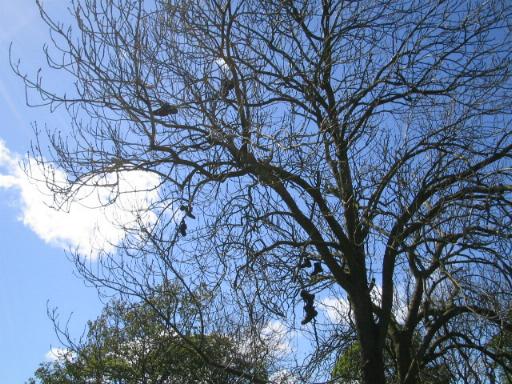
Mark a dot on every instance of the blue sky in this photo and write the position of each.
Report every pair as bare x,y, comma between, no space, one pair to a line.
35,273
33,270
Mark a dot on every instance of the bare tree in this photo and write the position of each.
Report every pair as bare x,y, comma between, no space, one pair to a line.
306,149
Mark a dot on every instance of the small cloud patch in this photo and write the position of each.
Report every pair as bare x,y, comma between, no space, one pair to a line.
56,354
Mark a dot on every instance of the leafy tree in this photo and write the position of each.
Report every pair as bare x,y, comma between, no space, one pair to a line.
129,344
326,149
501,344
348,368
504,346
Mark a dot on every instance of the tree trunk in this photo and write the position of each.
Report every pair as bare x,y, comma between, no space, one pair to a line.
371,348
373,367
406,373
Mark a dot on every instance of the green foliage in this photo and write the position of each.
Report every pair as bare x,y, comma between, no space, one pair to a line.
129,344
348,365
502,345
348,369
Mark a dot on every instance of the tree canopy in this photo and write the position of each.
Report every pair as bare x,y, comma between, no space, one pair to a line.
340,167
348,368
130,343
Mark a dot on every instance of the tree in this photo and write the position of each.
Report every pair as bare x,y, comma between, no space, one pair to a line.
501,344
348,368
130,343
371,139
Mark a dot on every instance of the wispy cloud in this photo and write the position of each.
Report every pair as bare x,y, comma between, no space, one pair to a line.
337,310
282,377
222,65
15,19
88,224
276,337
59,354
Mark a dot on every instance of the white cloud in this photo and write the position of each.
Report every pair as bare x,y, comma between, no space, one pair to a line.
283,376
222,65
399,309
337,310
276,337
59,354
400,304
98,216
